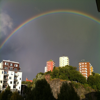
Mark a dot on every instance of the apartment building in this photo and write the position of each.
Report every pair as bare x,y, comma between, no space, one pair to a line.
11,75
63,61
85,68
49,65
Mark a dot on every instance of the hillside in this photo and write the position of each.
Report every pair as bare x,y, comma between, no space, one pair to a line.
85,92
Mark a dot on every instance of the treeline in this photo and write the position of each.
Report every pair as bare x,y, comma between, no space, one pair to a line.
39,89
8,95
42,91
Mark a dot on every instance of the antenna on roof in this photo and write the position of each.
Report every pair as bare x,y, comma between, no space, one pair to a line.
83,60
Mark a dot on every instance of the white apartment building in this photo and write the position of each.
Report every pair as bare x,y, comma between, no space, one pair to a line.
45,69
11,75
63,61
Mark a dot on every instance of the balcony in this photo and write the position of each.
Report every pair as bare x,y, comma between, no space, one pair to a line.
6,74
16,75
5,83
15,79
5,79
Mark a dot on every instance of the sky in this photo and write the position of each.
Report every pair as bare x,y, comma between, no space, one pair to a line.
50,36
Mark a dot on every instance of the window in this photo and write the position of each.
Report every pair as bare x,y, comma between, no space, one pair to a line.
16,65
0,81
10,82
9,77
15,69
5,63
6,68
2,72
11,68
20,78
10,64
5,72
19,87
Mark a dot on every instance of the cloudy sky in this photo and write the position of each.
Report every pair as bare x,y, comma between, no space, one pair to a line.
49,36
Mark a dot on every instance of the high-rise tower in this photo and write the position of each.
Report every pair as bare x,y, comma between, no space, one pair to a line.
85,68
63,61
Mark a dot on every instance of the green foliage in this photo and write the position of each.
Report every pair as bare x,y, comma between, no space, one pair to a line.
29,84
16,96
40,76
75,84
5,95
94,81
49,72
42,91
67,92
68,73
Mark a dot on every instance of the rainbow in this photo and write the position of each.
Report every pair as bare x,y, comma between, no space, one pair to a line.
48,13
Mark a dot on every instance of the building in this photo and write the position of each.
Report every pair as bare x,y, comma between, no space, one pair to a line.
49,66
28,80
11,75
85,68
45,70
63,61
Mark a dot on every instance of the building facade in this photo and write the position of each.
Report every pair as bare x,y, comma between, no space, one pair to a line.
45,69
49,65
11,75
63,61
28,80
85,68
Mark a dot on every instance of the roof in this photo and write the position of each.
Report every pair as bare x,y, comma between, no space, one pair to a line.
11,61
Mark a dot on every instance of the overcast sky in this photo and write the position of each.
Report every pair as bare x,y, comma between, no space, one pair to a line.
50,36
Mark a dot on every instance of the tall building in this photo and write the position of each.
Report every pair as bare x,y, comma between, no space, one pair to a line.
85,68
45,70
63,61
11,75
49,66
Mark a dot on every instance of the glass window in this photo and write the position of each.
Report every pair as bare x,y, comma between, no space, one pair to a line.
6,63
10,82
15,69
11,68
2,72
5,67
5,72
10,64
9,77
16,65
0,81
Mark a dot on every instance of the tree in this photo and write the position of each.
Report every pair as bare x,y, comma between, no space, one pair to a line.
42,91
94,81
5,95
16,96
67,92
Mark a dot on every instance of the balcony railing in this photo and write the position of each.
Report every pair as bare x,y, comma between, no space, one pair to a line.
5,83
15,79
5,79
5,73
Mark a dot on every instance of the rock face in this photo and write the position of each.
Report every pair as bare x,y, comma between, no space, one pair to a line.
55,85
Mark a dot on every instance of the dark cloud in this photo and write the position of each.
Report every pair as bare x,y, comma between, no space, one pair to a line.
51,36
